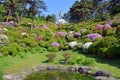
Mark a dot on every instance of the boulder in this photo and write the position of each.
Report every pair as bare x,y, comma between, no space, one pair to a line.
84,70
102,73
3,40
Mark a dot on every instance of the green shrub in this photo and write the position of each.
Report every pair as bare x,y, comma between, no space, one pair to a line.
53,49
67,55
100,47
51,56
114,51
1,73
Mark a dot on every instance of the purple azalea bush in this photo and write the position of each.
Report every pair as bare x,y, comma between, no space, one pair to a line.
62,34
56,44
94,36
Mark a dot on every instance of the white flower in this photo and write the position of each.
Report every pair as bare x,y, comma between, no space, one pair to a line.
72,44
85,47
23,33
5,29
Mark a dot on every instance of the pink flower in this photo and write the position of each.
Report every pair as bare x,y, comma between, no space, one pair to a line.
77,34
103,27
56,44
94,36
99,27
0,30
36,27
107,26
45,27
39,38
62,34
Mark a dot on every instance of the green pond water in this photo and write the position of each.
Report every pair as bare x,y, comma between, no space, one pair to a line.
58,76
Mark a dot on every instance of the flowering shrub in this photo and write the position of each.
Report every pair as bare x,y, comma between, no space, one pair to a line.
56,44
36,27
94,36
77,34
45,27
107,27
85,47
12,23
99,27
103,27
0,30
39,38
72,44
62,34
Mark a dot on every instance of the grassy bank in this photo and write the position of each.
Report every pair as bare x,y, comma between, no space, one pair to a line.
21,63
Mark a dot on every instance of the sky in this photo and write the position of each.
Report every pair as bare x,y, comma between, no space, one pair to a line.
54,6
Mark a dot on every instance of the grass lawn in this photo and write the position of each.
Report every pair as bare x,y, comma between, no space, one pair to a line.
18,64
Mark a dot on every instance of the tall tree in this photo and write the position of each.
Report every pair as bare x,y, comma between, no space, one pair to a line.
81,10
114,7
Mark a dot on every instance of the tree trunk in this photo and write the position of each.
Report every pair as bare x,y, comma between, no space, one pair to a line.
32,25
8,15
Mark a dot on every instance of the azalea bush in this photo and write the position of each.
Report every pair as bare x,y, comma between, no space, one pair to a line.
101,47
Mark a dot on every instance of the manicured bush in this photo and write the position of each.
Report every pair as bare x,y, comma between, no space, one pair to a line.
51,56
67,55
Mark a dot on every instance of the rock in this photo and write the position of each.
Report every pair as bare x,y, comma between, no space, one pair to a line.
105,78
63,62
13,77
62,68
72,28
72,44
85,47
41,68
72,69
53,68
3,40
102,73
84,70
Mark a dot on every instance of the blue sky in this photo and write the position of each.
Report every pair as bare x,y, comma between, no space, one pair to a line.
54,6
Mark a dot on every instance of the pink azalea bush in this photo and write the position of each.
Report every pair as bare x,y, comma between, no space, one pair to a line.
103,27
77,34
10,23
0,30
62,34
45,27
56,44
94,36
36,27
39,38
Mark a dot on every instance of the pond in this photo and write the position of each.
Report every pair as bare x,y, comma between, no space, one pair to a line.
49,75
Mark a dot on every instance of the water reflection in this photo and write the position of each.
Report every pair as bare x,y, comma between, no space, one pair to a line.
58,76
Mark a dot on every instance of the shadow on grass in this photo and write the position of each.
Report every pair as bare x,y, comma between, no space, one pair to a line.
112,62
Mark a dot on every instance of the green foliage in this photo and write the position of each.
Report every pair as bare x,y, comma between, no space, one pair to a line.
51,56
114,51
101,47
67,55
1,73
82,60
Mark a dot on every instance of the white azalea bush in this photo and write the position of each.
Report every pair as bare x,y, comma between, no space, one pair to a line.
85,47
